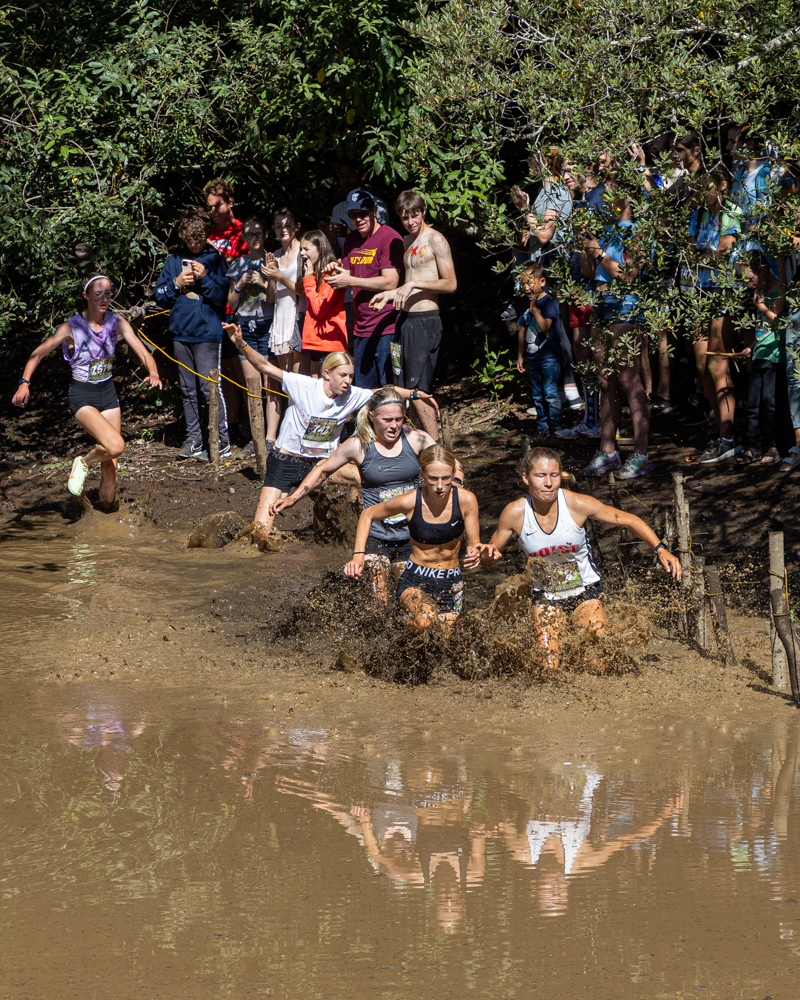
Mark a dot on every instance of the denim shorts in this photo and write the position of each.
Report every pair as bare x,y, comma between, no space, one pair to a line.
612,309
255,335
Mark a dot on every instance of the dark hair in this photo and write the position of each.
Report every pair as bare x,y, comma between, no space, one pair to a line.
534,268
326,252
87,278
259,220
196,220
409,201
221,187
283,210
549,162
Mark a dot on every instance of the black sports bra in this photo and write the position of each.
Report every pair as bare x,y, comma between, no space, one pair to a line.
430,533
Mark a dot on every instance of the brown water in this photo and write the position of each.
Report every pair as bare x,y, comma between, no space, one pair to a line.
321,836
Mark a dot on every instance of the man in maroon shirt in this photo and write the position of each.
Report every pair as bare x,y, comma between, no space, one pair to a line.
372,261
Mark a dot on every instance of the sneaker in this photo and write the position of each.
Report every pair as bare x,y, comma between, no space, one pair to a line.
531,411
77,476
225,452
577,430
635,466
662,407
191,449
509,313
602,463
696,413
248,451
575,404
542,432
718,451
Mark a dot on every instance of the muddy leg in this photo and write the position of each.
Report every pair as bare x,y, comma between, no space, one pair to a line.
263,519
377,571
105,429
421,610
592,615
548,627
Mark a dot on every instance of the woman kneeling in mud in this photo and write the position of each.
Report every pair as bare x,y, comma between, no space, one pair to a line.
438,515
549,524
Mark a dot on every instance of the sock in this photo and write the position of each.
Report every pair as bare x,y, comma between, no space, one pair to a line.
591,398
571,392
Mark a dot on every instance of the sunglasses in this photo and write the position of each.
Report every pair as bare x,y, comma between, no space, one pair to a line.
358,215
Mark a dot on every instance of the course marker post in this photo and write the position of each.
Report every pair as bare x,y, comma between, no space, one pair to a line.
213,416
257,430
779,603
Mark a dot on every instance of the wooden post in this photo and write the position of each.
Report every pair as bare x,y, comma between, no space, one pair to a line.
213,416
698,592
780,665
682,529
447,436
256,408
780,607
719,618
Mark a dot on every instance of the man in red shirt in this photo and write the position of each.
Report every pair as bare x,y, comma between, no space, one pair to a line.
226,235
372,261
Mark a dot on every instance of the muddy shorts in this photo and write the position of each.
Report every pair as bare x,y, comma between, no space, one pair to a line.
394,551
445,587
100,395
569,604
415,349
284,472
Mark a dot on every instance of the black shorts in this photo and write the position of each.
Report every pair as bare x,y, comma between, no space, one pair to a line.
284,472
100,395
395,551
444,586
568,604
417,337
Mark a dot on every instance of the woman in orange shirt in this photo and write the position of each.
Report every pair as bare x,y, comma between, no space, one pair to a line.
325,327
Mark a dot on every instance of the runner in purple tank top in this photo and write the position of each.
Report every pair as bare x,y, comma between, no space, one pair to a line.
88,340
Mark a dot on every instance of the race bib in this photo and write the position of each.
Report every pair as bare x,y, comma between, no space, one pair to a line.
320,431
100,370
556,574
396,351
389,493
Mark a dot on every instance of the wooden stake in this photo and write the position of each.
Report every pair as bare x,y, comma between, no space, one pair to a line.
699,620
213,416
780,607
719,617
256,408
683,532
780,665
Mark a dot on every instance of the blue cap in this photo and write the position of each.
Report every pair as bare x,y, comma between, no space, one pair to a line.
360,200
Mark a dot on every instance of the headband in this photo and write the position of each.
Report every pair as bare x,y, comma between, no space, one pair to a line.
388,402
97,277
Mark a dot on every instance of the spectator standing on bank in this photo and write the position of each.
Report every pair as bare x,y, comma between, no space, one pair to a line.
193,285
539,345
325,325
429,272
751,188
372,262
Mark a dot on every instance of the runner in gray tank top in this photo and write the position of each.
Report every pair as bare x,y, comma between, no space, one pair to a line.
387,456
549,524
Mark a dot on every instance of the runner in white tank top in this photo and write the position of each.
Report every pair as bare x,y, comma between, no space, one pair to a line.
549,525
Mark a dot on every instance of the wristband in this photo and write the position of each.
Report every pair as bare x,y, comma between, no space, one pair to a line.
361,552
237,289
660,545
244,347
414,394
24,381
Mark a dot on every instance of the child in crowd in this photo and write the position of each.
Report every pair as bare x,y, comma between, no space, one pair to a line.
325,325
538,340
764,353
193,285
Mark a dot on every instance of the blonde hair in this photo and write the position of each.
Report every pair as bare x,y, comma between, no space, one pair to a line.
335,360
364,429
539,454
437,453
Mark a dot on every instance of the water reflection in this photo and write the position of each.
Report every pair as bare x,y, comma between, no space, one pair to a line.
105,726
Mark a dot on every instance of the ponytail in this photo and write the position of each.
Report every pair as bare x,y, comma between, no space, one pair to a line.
383,397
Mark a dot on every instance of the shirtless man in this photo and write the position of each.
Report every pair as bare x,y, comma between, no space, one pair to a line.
429,271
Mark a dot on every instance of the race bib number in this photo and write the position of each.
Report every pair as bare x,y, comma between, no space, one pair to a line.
320,431
389,493
396,351
555,575
100,370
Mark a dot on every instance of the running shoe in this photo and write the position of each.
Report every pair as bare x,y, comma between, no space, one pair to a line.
542,432
191,449
509,313
696,413
719,451
577,430
248,451
602,463
225,452
77,476
635,466
662,407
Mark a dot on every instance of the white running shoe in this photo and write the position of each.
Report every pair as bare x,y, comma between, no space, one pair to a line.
77,477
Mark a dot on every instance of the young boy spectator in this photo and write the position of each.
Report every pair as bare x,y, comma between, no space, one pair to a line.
193,285
372,262
538,341
429,272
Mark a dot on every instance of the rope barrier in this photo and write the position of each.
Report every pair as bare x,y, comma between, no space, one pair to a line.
188,369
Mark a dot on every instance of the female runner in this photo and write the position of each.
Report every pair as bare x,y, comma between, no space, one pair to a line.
89,340
387,455
312,424
549,524
438,516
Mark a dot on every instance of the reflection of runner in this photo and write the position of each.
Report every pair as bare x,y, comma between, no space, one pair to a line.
102,727
312,424
549,523
388,459
89,340
438,517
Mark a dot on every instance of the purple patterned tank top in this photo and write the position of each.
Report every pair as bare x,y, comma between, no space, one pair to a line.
92,355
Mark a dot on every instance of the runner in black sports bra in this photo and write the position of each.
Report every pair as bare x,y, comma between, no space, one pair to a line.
432,532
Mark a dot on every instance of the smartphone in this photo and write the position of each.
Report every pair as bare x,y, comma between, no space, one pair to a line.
186,267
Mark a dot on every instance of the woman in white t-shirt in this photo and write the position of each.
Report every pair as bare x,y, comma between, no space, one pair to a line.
312,424
549,524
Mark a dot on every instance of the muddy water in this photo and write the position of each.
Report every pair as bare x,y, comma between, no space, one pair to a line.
161,842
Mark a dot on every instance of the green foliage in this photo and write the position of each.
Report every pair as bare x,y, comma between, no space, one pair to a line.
494,371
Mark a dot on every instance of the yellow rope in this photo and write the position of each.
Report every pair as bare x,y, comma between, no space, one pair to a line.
188,369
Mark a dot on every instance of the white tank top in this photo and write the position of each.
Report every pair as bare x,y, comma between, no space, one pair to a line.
561,563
